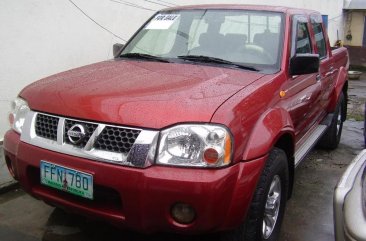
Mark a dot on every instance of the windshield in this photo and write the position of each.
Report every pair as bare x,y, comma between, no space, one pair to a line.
250,38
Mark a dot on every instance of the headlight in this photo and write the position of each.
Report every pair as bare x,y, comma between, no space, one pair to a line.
196,145
19,110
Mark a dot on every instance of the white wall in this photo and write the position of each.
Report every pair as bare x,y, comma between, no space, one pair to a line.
42,37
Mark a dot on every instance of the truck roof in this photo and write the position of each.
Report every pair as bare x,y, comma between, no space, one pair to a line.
286,10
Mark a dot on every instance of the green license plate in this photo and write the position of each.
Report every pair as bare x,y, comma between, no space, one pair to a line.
66,179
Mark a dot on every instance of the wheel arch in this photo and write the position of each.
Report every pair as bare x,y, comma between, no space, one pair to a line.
341,85
274,129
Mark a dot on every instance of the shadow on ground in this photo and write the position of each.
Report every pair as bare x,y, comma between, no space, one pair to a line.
66,226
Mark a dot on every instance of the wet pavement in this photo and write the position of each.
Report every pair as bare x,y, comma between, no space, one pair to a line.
309,214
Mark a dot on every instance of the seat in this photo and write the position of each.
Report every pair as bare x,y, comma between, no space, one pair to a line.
234,42
210,44
268,41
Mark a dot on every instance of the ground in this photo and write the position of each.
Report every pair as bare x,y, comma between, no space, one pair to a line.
309,213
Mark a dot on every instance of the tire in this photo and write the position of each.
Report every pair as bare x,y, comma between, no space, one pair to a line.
332,136
273,182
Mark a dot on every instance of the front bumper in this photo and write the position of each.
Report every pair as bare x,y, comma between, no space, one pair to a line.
349,216
141,199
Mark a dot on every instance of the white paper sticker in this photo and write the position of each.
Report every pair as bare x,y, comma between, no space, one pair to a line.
162,21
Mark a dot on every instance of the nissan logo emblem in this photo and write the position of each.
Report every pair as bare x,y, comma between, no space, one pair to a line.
76,134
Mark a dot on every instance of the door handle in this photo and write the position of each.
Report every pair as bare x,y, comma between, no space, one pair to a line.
332,70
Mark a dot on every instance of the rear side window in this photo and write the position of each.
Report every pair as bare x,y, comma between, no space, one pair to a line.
303,45
320,41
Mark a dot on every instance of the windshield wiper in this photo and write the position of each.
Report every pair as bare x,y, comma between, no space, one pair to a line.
208,59
143,56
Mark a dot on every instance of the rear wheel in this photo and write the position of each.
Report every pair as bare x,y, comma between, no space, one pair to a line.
266,211
332,136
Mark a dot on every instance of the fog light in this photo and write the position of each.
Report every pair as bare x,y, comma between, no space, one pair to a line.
183,213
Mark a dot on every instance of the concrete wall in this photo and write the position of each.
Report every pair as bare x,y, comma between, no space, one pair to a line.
42,37
355,23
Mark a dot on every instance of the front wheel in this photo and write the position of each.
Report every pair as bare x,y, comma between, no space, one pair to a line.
266,211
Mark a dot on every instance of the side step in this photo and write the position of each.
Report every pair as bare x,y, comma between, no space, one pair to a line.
309,143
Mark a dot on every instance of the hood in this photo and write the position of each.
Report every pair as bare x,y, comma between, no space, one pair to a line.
138,93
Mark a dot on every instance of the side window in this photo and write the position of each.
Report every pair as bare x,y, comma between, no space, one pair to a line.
303,45
320,41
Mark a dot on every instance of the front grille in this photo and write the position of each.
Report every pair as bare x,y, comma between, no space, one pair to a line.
111,138
89,129
90,140
116,139
46,126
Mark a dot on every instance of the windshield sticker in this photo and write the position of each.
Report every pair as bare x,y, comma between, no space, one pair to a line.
162,21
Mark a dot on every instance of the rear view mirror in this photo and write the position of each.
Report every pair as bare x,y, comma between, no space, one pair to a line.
117,49
304,64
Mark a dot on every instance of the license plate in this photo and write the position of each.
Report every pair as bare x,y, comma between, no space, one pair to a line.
66,179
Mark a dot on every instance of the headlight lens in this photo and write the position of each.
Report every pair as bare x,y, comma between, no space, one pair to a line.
19,110
197,145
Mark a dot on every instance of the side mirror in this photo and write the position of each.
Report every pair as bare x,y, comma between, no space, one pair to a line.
304,64
117,49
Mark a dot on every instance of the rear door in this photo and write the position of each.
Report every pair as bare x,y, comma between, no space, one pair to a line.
327,69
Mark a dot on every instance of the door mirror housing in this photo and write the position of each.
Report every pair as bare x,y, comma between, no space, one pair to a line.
304,64
117,49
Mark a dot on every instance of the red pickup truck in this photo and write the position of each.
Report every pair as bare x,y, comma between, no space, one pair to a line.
195,126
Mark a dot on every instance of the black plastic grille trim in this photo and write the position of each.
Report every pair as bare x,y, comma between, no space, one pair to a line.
46,126
89,129
112,139
116,139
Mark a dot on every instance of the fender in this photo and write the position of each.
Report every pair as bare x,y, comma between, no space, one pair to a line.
268,129
341,80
